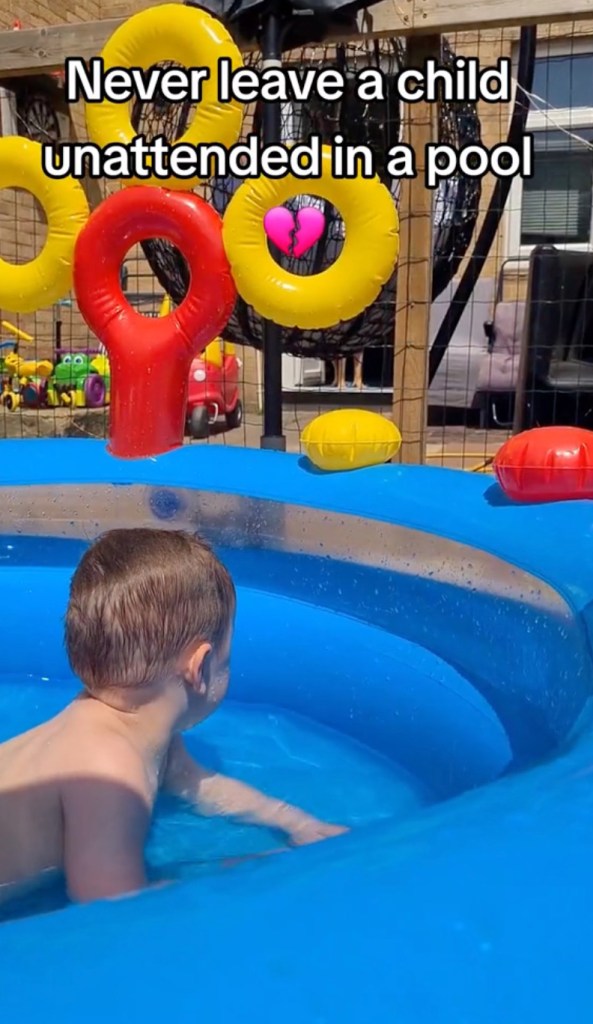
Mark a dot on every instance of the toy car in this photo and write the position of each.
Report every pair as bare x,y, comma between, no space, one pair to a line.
213,389
79,380
24,381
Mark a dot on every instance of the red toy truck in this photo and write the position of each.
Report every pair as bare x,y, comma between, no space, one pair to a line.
213,389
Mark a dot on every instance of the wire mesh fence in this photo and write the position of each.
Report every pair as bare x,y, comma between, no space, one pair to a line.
504,366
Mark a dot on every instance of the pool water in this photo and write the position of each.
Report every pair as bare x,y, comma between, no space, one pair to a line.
284,755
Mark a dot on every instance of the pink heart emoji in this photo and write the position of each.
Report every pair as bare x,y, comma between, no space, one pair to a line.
294,238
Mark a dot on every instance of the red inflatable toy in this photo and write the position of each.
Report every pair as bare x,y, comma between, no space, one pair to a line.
150,359
547,464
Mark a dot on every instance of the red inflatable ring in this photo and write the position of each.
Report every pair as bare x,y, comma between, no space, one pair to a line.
150,358
547,464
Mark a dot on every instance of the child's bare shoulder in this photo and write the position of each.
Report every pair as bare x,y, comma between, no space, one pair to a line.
96,749
75,745
103,773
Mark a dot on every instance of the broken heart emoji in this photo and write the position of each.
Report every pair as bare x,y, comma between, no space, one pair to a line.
294,237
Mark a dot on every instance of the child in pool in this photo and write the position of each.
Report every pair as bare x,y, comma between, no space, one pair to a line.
148,631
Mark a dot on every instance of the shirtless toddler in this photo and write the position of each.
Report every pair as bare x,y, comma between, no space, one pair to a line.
148,631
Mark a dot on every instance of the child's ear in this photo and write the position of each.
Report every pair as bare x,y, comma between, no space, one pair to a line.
197,668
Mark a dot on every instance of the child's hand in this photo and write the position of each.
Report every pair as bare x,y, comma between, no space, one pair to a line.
212,793
310,830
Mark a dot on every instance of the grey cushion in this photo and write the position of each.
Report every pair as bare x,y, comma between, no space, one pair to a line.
500,368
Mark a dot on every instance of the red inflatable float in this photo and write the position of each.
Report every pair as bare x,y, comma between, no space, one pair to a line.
547,464
150,358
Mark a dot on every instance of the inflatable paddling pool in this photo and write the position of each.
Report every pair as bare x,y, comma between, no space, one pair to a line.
421,616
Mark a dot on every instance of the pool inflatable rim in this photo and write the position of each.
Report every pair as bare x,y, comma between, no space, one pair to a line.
444,921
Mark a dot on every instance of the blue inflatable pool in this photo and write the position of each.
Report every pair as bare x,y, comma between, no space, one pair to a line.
413,613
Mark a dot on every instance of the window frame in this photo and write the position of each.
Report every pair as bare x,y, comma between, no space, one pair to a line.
571,118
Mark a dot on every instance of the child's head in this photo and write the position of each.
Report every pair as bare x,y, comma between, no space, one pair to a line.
147,606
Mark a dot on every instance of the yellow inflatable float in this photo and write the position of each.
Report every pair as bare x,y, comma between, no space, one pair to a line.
187,36
350,439
26,287
349,285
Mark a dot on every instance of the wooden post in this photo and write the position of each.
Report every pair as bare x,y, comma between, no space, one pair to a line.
8,118
414,275
94,190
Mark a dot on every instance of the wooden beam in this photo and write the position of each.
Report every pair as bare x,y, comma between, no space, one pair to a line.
414,273
404,17
35,50
39,50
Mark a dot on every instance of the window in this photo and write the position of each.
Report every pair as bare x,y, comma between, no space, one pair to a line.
563,80
555,206
557,200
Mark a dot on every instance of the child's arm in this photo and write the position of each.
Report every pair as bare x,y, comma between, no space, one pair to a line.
214,794
106,816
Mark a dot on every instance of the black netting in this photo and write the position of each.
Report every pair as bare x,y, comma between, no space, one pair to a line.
376,124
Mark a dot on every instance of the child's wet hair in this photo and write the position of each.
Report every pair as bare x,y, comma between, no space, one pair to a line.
140,598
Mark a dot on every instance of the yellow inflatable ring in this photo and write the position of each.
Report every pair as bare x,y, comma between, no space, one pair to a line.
349,285
26,287
350,439
190,37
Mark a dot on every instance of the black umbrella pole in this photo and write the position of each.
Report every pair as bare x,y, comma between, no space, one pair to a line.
273,436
